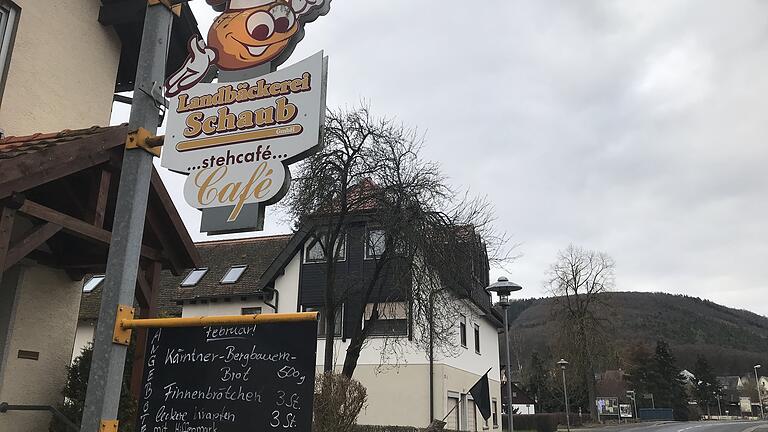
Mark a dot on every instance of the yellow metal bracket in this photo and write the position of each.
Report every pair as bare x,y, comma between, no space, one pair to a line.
176,9
143,139
108,426
122,334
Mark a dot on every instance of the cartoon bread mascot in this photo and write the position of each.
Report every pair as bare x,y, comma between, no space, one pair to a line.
248,33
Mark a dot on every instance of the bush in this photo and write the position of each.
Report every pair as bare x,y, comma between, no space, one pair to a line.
372,428
338,402
537,422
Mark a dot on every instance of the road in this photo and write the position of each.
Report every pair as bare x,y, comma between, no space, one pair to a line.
708,426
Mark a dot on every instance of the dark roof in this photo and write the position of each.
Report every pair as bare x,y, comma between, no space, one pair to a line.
257,253
13,146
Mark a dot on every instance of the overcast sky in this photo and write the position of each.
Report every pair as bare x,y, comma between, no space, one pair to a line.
636,128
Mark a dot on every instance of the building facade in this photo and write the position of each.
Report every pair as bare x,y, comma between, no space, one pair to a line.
283,274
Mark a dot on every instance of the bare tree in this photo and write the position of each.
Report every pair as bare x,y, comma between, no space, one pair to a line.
431,238
579,280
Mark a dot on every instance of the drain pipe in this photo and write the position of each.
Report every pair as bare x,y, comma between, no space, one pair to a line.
277,299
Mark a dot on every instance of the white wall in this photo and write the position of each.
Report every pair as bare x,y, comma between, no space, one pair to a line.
83,336
45,319
63,68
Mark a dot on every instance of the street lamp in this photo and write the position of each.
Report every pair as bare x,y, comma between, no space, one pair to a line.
504,288
563,364
759,393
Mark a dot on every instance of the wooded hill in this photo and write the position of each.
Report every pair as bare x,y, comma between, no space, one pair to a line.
731,340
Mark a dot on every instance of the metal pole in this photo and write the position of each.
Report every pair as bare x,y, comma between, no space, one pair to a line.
511,427
105,380
634,402
719,408
759,395
567,409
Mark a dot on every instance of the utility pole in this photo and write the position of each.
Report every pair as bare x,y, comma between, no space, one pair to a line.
105,380
759,393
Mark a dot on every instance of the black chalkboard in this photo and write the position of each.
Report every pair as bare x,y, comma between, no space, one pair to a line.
257,377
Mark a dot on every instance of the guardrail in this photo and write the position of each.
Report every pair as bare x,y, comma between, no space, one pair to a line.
5,407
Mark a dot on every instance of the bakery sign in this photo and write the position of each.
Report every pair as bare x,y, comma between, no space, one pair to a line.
235,140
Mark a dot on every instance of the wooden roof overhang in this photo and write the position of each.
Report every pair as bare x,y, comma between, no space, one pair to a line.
127,18
57,200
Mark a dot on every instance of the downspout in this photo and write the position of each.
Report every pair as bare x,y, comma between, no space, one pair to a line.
277,299
431,363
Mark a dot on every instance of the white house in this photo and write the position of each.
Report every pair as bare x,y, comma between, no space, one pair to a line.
282,274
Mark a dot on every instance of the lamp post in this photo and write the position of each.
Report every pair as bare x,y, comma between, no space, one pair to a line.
719,408
563,364
633,397
759,393
503,288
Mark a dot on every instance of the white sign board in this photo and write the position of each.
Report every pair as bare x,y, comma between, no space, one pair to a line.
235,140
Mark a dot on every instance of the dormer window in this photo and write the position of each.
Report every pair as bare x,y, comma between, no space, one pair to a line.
315,253
233,274
93,282
375,243
194,277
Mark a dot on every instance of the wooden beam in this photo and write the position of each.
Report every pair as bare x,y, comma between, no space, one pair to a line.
78,227
163,234
29,243
97,205
150,277
7,216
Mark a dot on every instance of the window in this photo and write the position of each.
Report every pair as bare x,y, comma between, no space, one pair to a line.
375,243
9,18
463,330
453,407
495,413
92,283
316,254
392,320
477,338
251,311
471,415
193,278
233,274
338,320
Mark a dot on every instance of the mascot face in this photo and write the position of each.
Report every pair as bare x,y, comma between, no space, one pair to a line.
250,33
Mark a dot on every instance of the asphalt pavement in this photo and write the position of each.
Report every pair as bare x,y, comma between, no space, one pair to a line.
703,426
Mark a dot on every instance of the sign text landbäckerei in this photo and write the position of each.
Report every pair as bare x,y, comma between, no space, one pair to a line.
236,140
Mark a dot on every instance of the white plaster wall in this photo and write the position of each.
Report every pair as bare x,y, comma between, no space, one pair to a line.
45,321
83,336
233,307
288,286
488,358
63,68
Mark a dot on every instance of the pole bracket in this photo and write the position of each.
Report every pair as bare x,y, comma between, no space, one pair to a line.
143,139
108,426
122,334
176,9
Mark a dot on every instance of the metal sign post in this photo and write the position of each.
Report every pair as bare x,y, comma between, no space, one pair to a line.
105,380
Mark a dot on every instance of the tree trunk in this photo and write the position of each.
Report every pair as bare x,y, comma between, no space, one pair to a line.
330,315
